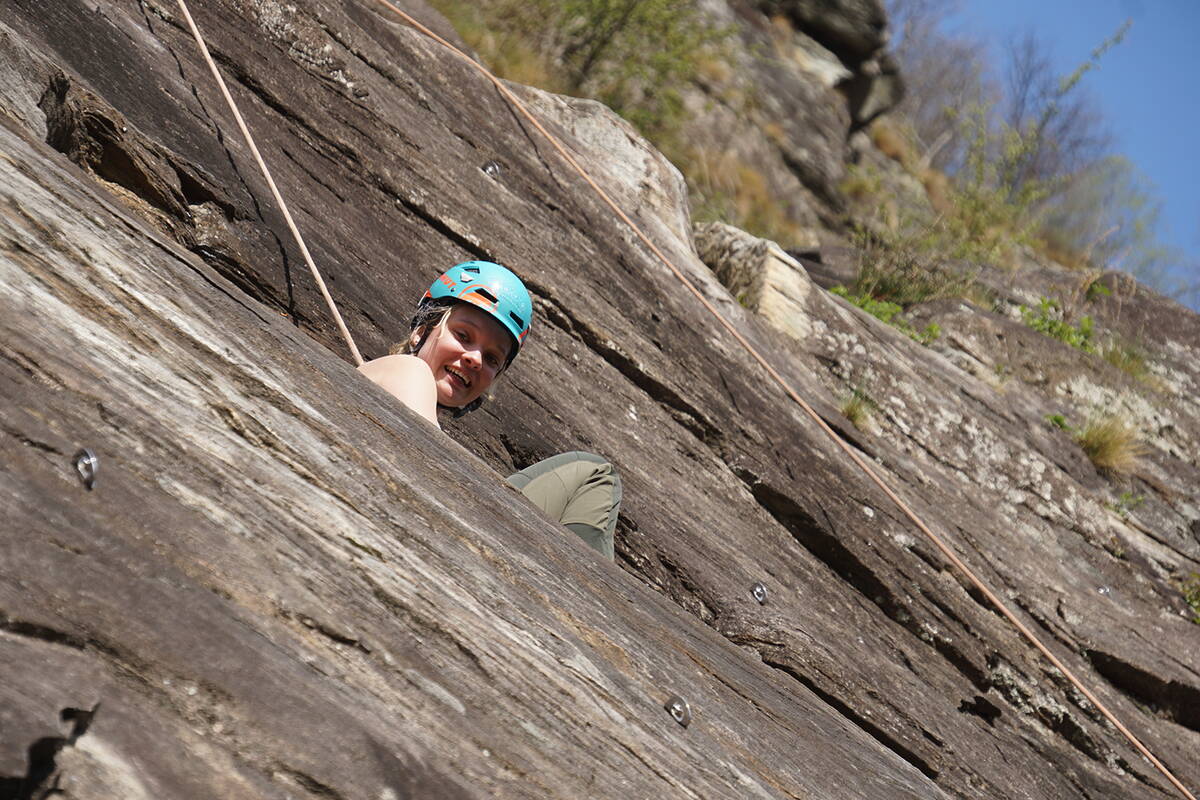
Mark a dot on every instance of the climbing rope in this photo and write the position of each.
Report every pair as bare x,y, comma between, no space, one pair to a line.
867,470
262,165
908,512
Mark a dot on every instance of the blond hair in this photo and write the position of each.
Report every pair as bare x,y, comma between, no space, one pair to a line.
428,318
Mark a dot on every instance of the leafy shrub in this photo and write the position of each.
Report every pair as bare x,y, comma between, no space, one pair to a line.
1058,421
1190,587
1126,502
1111,443
632,55
992,213
903,268
1010,159
929,334
1096,290
1047,318
886,311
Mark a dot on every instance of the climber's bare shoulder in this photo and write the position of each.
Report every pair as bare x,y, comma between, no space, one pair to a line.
408,379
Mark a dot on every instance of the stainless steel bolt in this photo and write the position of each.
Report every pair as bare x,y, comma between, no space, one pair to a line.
760,593
87,465
679,710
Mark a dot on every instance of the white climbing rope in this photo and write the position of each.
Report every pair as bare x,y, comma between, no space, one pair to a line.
262,165
908,512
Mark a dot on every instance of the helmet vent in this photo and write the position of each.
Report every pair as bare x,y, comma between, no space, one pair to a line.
471,269
490,297
520,322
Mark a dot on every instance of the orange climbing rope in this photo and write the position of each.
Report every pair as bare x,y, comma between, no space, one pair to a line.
262,165
908,512
870,473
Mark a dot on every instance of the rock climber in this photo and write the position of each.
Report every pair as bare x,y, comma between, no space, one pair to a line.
467,329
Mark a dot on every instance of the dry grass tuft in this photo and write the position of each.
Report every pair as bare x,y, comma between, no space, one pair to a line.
893,143
1061,253
858,407
937,190
775,132
1112,444
782,28
861,183
714,70
732,191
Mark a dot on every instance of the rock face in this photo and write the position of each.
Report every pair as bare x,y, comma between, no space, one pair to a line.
283,585
805,76
760,275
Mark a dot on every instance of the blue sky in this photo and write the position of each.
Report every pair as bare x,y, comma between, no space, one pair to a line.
1148,87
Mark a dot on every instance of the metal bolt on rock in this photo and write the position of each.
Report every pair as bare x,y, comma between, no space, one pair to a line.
491,168
760,593
679,710
87,465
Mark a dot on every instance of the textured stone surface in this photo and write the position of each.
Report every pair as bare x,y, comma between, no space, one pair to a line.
782,114
283,585
760,275
854,29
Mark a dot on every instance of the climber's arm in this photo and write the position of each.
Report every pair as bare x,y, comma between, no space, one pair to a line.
408,379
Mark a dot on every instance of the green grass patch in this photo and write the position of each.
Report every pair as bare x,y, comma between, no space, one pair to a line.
887,311
1096,290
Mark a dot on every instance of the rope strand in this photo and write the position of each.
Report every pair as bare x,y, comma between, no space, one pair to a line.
937,541
262,165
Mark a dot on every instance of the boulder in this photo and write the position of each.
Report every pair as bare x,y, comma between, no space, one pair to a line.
760,275
854,29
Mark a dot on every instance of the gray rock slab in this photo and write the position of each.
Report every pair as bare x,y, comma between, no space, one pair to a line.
265,529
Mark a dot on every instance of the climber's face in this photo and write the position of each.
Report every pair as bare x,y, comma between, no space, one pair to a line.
465,353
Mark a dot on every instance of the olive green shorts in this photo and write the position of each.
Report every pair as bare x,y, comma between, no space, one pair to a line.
580,490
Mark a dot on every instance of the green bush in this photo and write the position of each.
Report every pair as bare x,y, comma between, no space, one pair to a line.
1008,163
1058,421
1047,318
1096,290
634,56
1190,587
904,267
991,211
886,311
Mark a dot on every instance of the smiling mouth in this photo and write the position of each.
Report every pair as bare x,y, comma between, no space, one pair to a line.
463,379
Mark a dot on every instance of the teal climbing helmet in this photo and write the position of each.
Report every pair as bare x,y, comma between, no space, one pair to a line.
491,287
